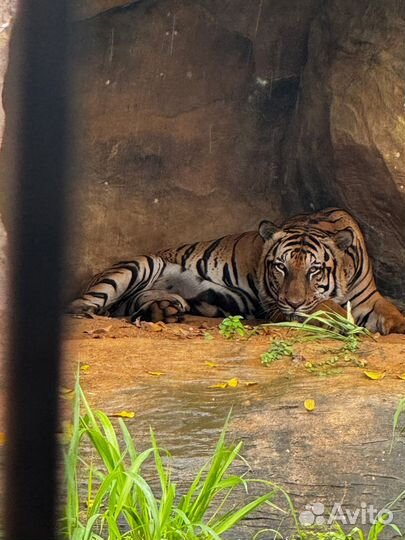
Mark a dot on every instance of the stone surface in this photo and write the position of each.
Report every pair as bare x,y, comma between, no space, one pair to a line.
349,131
340,452
183,106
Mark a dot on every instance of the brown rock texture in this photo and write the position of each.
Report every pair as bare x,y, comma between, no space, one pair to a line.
183,106
349,132
199,118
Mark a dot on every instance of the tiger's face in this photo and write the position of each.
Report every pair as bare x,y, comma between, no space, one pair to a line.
301,268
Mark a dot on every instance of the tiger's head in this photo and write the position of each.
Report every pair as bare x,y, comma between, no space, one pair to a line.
303,266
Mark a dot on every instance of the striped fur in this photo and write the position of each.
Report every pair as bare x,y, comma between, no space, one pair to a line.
274,273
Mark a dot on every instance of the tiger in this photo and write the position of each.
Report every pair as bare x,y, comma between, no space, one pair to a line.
273,273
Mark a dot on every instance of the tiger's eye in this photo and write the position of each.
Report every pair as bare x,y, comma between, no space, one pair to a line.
314,270
280,267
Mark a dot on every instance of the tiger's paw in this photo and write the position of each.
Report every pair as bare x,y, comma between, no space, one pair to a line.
391,324
389,320
170,309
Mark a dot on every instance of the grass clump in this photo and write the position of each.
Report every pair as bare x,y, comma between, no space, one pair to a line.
320,326
325,325
122,505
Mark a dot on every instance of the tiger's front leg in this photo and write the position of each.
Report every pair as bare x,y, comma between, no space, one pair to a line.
383,317
111,292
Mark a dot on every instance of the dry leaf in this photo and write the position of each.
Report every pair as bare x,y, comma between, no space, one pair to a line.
98,331
85,368
250,383
103,330
219,385
211,364
154,327
232,383
156,373
180,332
309,404
67,393
123,414
374,375
402,376
2,438
65,390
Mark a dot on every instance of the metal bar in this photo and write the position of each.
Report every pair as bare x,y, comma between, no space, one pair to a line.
39,126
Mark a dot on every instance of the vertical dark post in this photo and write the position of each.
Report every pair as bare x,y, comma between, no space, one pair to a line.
37,249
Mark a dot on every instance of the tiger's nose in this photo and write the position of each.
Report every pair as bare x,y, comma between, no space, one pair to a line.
295,303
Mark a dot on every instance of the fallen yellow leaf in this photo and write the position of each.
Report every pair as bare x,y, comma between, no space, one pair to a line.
85,368
156,373
250,383
123,414
219,385
65,390
374,375
2,438
309,404
402,376
154,327
67,393
211,364
232,383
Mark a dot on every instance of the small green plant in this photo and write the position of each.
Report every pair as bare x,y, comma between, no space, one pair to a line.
332,366
232,327
321,325
121,504
278,349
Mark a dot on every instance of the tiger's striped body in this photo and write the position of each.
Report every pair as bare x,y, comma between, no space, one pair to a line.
274,273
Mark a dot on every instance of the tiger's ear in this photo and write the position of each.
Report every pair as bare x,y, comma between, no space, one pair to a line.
344,239
267,229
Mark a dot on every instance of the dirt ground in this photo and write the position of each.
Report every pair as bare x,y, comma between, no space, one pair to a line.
183,379
185,352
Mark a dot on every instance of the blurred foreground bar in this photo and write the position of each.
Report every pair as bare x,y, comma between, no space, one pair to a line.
38,122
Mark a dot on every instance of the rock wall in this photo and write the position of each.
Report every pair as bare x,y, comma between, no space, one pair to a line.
198,118
349,132
183,106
